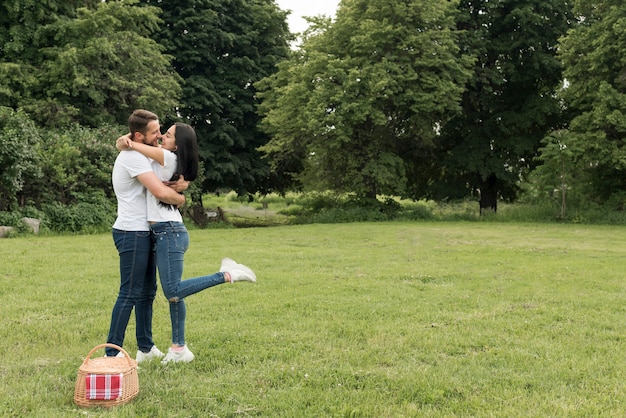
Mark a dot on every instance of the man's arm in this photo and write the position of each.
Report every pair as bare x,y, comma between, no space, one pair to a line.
163,193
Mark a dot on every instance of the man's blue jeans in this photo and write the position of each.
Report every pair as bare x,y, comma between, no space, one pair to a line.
137,288
172,240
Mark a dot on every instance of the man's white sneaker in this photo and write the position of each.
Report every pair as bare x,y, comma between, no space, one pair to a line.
238,272
184,356
119,354
152,354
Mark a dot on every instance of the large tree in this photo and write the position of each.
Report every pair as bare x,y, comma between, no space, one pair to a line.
20,57
594,55
510,102
91,65
221,48
358,104
20,21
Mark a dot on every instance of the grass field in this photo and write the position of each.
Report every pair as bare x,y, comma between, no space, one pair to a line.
347,320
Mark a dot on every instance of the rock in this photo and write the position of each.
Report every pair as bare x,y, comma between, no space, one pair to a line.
5,230
33,224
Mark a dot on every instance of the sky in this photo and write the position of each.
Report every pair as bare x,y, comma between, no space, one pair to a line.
301,8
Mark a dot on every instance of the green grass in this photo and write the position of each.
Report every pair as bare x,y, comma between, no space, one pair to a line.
351,320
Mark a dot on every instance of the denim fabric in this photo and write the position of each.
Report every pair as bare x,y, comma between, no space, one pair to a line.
172,240
137,288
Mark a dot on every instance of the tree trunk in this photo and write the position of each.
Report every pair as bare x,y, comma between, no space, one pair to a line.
489,195
197,212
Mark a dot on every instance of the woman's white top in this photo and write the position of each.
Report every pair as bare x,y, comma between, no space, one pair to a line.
156,212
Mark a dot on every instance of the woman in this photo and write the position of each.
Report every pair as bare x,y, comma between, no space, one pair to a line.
178,156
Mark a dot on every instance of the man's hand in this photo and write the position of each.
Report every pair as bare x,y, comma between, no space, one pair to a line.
124,143
179,185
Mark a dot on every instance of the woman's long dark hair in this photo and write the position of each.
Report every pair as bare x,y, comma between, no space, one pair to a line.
186,151
187,155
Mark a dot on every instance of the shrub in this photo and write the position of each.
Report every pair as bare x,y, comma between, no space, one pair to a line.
15,219
95,213
292,210
417,211
10,219
75,162
318,201
18,156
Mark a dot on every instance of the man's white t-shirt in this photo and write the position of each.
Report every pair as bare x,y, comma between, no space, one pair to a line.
156,212
132,211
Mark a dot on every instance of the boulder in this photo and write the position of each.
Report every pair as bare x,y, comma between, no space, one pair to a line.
33,224
5,230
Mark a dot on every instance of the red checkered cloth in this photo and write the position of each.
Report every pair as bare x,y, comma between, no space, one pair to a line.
104,386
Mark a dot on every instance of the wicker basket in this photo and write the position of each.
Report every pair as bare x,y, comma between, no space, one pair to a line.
122,370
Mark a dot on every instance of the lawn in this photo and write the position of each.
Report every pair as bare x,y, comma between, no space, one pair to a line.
427,319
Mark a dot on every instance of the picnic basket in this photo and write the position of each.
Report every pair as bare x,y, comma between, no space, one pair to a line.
106,381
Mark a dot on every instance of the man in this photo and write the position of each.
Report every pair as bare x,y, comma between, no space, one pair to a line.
132,175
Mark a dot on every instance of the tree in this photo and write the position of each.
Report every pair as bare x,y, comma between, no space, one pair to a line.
89,66
220,49
20,21
594,53
102,65
359,103
556,175
20,58
510,102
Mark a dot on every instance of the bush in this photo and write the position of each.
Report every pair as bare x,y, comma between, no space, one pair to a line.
75,162
417,211
18,156
329,207
94,214
292,210
318,201
14,219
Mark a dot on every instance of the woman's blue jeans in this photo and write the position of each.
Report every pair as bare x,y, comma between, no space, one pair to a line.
172,240
137,288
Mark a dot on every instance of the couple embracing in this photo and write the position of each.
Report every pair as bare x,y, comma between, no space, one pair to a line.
149,233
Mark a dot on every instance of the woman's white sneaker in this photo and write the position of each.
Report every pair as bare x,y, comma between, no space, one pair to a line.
238,272
185,356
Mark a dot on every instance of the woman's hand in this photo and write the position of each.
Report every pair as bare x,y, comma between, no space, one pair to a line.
124,143
179,185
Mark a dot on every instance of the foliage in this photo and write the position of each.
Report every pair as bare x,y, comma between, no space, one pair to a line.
90,65
102,65
367,107
20,20
509,104
19,163
15,219
94,213
593,54
329,207
355,108
76,164
21,59
559,177
221,49
64,176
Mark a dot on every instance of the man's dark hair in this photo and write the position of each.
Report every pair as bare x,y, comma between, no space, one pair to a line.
138,121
